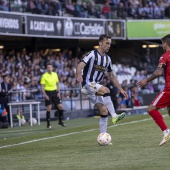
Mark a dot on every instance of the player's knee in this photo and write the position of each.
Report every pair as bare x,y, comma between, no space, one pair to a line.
150,108
103,110
106,90
49,107
60,107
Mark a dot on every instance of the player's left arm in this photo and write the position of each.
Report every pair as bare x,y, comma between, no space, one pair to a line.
58,86
116,83
58,89
114,79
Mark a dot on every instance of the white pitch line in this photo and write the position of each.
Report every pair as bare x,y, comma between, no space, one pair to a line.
37,140
73,133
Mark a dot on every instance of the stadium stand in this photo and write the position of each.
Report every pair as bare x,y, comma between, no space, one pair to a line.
25,70
109,9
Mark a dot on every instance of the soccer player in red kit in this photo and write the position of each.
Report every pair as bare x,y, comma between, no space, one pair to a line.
163,98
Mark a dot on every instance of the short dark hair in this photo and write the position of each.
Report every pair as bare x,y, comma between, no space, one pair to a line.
49,64
6,75
166,39
104,36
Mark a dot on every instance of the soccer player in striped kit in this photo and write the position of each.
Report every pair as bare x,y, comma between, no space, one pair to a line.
163,98
94,65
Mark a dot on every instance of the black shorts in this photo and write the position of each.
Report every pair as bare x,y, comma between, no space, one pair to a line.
53,99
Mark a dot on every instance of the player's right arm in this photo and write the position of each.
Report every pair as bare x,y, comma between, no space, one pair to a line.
81,66
42,82
43,91
79,69
158,72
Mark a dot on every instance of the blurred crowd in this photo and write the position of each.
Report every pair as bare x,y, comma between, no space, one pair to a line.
25,70
109,9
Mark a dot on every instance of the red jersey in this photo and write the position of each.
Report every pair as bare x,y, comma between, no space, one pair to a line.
165,60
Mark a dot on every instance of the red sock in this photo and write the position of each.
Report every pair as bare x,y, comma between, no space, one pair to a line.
156,115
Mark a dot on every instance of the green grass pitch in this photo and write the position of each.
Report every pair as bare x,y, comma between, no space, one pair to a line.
135,146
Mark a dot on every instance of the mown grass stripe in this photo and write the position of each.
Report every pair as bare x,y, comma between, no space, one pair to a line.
73,133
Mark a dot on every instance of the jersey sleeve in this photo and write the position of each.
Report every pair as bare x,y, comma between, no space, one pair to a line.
162,61
42,80
87,57
110,67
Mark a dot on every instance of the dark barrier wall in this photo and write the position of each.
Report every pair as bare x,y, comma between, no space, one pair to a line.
147,98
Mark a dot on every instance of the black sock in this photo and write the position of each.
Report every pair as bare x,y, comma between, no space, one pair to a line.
48,118
4,119
60,117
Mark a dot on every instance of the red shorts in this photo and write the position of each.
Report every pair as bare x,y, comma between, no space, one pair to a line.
162,100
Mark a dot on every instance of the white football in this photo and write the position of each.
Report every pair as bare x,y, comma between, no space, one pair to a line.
104,139
34,121
23,122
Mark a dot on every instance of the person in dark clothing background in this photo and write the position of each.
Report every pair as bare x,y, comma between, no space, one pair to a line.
5,89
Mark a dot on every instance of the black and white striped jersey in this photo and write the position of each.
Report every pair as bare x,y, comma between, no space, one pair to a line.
96,66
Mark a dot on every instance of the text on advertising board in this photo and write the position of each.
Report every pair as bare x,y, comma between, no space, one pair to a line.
75,27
